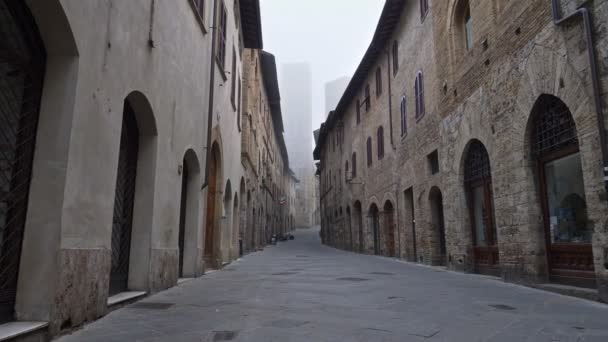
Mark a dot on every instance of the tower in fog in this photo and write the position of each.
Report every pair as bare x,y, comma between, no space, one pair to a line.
296,91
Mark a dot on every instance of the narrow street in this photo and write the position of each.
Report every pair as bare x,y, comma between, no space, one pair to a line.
303,291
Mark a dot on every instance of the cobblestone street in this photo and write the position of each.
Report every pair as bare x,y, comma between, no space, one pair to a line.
303,291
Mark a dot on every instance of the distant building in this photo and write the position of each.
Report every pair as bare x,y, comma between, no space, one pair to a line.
296,87
333,92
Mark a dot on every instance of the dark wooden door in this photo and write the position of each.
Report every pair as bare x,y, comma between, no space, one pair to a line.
123,202
22,63
182,219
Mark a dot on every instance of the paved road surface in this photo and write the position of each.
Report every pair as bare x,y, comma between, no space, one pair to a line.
302,291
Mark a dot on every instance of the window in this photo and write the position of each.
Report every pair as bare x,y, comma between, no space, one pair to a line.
221,33
380,142
419,90
433,160
233,80
468,25
424,8
238,103
358,111
346,171
368,99
403,116
395,57
378,81
200,7
369,152
354,164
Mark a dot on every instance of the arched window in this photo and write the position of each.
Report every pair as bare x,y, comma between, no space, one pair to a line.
369,152
346,171
403,116
380,142
467,24
358,111
395,57
424,8
378,82
368,99
419,91
354,164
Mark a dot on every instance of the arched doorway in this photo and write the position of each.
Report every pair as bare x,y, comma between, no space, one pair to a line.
236,215
226,226
359,226
124,200
188,239
389,228
374,216
480,202
568,232
213,206
438,227
349,227
22,70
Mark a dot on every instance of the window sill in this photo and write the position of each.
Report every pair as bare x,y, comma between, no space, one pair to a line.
9,331
125,297
420,118
201,21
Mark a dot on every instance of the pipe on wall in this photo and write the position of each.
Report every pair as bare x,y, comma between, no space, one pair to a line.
211,95
583,12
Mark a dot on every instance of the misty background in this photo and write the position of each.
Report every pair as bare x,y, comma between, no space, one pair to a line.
330,35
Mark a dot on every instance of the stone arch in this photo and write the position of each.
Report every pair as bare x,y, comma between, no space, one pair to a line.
349,228
213,213
236,215
243,210
548,72
189,239
227,223
359,231
52,33
389,229
137,105
480,225
374,227
437,241
562,192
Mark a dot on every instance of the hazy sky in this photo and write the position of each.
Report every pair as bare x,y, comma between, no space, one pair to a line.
330,35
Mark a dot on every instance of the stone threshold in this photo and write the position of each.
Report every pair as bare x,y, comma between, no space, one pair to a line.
184,280
11,330
564,290
125,297
572,291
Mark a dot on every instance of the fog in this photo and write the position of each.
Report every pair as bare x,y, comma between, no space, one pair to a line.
330,35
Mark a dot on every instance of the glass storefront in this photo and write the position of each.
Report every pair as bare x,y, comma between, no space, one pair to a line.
567,208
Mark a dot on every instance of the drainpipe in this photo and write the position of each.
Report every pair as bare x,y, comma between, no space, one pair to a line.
583,12
211,95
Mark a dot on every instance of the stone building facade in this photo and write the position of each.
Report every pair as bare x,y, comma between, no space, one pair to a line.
269,182
120,120
473,136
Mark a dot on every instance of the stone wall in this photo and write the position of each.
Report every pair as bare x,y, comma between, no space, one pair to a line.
486,94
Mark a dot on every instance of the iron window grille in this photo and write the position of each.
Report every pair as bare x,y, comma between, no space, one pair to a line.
554,127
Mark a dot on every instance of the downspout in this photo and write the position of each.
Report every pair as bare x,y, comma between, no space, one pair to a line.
558,19
211,96
390,97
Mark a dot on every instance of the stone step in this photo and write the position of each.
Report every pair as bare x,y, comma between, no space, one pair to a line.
572,291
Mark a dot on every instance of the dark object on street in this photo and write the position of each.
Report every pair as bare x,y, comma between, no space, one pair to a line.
291,237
